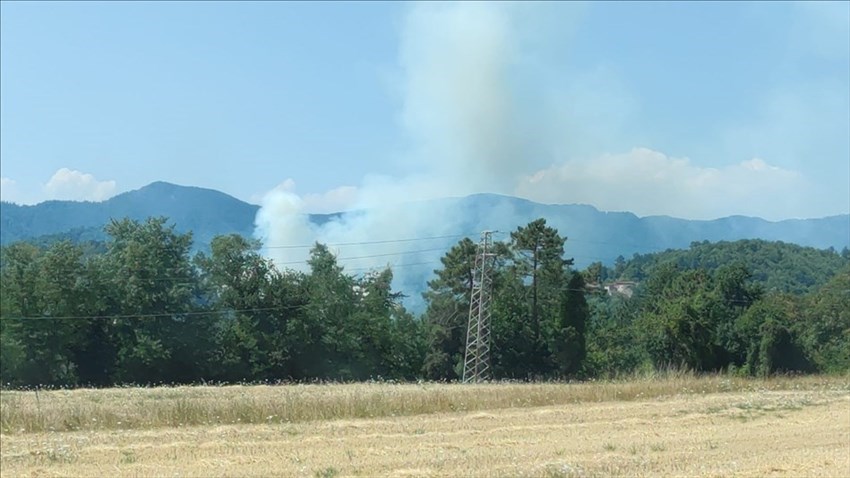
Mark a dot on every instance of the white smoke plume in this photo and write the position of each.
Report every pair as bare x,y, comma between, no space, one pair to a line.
487,109
459,105
459,110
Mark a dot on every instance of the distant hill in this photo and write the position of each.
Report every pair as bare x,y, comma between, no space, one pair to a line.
593,235
205,212
777,266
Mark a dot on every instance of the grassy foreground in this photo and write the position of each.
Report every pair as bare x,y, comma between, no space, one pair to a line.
145,408
677,424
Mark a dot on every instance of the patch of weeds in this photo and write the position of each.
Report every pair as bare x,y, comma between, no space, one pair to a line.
563,470
634,449
744,417
419,431
610,447
793,406
128,456
750,406
657,447
329,472
62,454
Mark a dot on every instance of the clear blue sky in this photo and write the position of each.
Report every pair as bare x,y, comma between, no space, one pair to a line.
689,109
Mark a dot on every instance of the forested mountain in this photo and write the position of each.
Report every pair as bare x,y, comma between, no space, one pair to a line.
205,212
593,235
776,266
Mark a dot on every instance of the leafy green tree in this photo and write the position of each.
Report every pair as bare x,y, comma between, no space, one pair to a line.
612,337
448,308
596,273
159,336
825,330
95,352
540,253
408,346
569,342
255,305
13,355
678,324
619,267
332,342
773,344
18,275
512,334
372,321
539,259
42,300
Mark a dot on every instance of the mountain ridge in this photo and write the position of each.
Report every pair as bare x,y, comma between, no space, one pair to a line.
594,234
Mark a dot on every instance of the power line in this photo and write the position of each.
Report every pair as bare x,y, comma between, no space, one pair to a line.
370,256
260,309
391,266
387,241
153,316
81,267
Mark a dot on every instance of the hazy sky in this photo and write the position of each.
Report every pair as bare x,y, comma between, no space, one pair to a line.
694,110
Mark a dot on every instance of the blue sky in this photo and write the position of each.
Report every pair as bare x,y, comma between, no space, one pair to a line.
688,109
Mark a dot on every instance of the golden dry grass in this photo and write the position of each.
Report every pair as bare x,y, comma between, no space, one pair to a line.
674,426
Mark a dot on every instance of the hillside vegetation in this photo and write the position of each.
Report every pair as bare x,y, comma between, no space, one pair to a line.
775,266
143,309
596,235
204,212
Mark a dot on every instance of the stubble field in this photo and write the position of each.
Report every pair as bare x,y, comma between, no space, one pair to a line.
677,425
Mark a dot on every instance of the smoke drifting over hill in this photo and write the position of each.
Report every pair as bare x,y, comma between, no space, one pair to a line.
459,111
487,108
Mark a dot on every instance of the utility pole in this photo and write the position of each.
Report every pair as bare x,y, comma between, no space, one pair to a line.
476,364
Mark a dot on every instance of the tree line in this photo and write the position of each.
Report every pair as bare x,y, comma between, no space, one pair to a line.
142,309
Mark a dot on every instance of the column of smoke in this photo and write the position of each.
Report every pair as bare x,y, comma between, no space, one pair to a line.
460,112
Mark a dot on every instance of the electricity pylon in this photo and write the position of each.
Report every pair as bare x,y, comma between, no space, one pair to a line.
476,364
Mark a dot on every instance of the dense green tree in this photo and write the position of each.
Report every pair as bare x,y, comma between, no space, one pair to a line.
596,273
330,335
408,346
539,258
255,306
612,337
95,352
569,341
372,323
19,273
770,343
42,300
448,308
825,328
678,323
159,338
512,333
619,267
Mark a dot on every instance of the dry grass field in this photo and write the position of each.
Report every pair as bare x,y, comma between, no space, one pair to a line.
677,425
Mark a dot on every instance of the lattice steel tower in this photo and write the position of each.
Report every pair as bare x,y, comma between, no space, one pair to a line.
476,364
